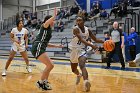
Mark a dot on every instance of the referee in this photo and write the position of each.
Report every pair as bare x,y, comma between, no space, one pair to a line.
118,38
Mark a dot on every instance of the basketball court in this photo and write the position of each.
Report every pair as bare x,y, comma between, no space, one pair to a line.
62,79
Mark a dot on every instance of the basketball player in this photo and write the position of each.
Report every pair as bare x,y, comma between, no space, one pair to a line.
39,51
78,54
19,38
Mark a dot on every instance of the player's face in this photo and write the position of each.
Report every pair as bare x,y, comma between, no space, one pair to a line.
20,25
80,22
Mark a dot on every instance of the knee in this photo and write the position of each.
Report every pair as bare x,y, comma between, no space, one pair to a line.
50,67
26,60
81,66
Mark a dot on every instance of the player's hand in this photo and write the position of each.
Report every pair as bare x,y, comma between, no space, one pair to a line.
94,47
18,42
122,45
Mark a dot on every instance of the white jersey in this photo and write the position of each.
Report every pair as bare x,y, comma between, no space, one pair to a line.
19,36
75,43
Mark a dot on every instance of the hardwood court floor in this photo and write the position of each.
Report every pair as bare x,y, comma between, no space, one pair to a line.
63,81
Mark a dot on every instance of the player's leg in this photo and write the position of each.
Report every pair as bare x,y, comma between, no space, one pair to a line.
11,56
25,57
43,83
75,71
82,61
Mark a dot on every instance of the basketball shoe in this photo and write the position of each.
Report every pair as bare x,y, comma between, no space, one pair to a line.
78,78
4,72
44,85
29,69
87,85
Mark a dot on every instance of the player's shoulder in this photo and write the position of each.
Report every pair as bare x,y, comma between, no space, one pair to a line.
24,29
76,28
15,28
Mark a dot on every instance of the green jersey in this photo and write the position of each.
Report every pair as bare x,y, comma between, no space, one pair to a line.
41,41
44,35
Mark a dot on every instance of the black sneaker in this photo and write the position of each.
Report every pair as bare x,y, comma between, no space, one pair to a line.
39,85
107,67
46,86
122,68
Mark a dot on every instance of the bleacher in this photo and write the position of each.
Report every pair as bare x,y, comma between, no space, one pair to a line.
65,37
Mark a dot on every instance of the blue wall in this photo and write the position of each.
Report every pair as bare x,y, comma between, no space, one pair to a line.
82,3
106,4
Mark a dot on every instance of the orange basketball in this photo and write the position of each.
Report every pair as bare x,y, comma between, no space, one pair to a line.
109,45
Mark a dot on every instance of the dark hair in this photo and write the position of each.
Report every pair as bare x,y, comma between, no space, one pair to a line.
81,18
46,18
106,32
17,23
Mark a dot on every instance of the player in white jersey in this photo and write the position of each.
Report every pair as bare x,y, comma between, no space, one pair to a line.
78,54
19,38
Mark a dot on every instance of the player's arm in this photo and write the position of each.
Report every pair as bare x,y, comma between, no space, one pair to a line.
77,34
54,45
49,21
12,37
26,40
93,37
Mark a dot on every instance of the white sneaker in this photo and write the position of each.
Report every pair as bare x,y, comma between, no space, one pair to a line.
29,69
78,79
87,85
4,73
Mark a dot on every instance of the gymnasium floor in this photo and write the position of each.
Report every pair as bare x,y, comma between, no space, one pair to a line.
63,80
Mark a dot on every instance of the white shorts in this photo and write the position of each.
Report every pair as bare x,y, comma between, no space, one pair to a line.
18,48
75,53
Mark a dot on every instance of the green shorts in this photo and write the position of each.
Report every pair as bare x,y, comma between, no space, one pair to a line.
38,49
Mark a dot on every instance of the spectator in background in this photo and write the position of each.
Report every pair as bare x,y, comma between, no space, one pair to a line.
34,22
60,26
103,13
114,9
80,13
106,35
71,10
132,43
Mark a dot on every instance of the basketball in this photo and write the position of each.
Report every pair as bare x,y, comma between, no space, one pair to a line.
132,64
109,45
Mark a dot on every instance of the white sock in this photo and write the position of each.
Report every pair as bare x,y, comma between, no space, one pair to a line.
86,81
41,81
79,75
45,80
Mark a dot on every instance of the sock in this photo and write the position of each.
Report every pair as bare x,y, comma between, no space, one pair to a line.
86,80
41,81
45,81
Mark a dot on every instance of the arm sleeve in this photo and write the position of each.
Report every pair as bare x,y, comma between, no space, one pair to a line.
121,32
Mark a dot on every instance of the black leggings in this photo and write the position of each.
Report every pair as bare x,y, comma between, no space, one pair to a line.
118,51
132,51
